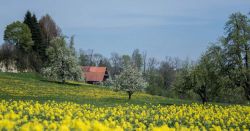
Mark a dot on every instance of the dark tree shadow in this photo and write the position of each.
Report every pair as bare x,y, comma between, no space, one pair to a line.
57,82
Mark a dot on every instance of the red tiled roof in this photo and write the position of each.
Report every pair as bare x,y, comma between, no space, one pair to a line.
92,73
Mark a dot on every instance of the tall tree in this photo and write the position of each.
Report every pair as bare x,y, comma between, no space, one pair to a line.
237,46
28,19
49,29
38,53
35,29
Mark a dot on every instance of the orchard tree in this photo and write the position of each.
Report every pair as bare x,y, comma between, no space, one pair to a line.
183,81
62,64
130,80
205,78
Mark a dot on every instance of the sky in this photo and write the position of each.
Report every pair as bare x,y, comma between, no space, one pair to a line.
176,28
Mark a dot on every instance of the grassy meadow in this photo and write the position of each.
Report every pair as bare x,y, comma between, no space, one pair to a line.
27,86
30,103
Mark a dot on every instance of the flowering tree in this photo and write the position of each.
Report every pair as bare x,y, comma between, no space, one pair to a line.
130,80
62,62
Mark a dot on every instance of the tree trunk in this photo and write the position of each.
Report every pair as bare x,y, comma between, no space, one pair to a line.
130,93
204,100
62,72
63,81
247,90
247,82
203,94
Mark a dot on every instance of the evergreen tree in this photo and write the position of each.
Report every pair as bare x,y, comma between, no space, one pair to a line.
28,19
37,38
37,55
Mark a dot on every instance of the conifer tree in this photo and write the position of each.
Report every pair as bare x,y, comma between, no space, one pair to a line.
38,49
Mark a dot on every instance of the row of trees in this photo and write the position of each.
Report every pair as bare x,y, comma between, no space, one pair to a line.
41,47
221,74
26,42
223,70
158,74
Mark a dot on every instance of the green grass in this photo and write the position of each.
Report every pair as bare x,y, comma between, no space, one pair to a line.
29,86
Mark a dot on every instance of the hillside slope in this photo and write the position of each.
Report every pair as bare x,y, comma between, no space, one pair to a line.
27,86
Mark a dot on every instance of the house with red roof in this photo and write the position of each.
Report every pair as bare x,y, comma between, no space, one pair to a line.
93,74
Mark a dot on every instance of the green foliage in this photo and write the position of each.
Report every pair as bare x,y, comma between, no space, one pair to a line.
223,71
183,82
237,49
35,29
38,52
19,34
62,63
204,79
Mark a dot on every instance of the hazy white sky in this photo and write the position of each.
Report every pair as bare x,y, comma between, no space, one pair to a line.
178,28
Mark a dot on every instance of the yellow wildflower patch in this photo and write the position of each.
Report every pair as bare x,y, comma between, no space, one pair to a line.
66,116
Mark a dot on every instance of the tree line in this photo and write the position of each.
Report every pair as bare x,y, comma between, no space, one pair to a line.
221,74
39,46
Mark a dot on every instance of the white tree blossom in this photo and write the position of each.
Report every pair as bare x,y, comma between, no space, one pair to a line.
62,63
130,80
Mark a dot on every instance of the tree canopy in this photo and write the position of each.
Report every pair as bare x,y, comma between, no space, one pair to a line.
130,80
19,34
62,64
